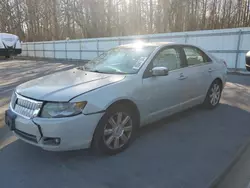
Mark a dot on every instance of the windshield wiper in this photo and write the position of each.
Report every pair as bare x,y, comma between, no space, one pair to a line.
81,68
97,71
84,69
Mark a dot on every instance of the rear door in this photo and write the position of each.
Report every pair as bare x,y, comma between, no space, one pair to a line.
199,73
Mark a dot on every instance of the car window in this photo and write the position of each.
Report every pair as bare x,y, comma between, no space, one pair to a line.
169,58
195,56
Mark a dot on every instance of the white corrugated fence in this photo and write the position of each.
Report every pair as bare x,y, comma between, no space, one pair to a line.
228,44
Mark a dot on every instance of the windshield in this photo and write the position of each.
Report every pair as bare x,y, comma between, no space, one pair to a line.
121,60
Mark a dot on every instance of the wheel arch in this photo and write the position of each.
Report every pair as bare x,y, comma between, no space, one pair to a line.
216,78
220,80
128,103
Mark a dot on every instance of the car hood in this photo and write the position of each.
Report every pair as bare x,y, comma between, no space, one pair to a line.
64,86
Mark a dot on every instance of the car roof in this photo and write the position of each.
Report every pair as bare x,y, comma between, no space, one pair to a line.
146,44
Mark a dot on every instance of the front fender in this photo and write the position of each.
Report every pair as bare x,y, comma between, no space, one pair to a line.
100,99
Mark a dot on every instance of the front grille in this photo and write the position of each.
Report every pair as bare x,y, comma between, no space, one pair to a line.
24,106
26,136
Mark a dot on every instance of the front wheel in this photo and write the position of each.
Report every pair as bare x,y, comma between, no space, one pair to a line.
213,95
115,131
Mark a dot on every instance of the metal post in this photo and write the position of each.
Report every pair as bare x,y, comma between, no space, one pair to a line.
97,47
34,47
238,48
22,46
80,47
186,38
43,51
54,49
148,38
27,49
119,41
66,50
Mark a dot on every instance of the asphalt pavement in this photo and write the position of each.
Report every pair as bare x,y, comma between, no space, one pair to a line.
239,174
188,150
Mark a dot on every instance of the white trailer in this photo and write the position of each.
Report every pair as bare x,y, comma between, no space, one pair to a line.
9,45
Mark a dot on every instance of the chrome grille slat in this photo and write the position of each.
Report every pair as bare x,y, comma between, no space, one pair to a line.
24,106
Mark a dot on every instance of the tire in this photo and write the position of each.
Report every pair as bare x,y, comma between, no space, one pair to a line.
119,138
7,56
213,95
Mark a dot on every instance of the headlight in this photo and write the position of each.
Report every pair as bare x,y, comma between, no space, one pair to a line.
61,109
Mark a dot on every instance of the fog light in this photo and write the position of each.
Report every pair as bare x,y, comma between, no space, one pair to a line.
51,141
57,140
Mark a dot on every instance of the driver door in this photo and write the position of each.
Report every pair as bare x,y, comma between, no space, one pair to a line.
163,94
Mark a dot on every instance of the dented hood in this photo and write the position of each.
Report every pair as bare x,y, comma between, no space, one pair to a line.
65,85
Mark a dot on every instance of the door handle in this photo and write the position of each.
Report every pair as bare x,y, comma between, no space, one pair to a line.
210,70
182,77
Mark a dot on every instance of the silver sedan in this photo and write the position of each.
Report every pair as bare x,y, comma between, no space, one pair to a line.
103,103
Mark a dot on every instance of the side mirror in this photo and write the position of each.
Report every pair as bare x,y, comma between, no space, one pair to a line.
159,71
248,61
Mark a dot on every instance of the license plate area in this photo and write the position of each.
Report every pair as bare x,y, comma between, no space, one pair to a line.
10,118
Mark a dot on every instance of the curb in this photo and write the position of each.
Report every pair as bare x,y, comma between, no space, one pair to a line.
235,159
240,72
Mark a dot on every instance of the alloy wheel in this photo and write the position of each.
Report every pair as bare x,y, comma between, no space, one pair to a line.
215,94
118,130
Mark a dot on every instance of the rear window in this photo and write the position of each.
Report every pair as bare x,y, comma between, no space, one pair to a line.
195,56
